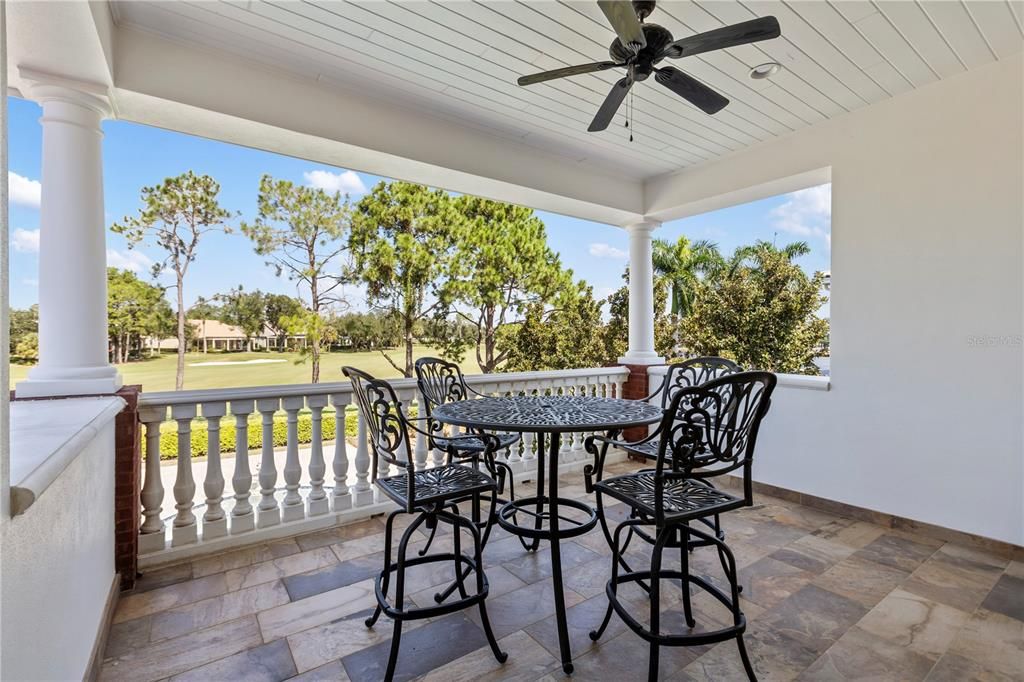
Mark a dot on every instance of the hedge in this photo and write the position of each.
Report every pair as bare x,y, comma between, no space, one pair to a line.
169,433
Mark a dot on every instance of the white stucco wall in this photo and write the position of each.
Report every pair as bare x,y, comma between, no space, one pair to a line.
922,420
57,562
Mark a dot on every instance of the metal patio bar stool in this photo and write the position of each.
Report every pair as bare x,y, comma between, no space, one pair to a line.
707,430
680,375
430,494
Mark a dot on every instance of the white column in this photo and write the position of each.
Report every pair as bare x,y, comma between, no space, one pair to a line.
641,297
72,243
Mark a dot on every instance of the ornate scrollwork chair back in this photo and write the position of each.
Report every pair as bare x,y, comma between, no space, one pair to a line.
693,372
386,426
711,429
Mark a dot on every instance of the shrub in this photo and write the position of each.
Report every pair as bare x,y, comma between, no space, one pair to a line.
199,435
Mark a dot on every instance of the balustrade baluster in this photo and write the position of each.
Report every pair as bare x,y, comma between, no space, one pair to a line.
152,537
267,511
292,508
243,519
215,523
341,498
184,530
363,491
317,501
421,441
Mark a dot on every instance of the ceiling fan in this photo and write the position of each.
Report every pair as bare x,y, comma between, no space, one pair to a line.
638,47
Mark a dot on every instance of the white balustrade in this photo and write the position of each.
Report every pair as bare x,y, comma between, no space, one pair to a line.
184,530
304,496
215,523
317,500
243,519
267,511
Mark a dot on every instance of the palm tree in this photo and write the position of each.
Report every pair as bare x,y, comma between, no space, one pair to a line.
684,264
754,254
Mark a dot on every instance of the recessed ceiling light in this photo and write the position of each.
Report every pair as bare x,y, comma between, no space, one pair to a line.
765,70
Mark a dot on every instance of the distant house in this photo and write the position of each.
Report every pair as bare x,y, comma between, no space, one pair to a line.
214,335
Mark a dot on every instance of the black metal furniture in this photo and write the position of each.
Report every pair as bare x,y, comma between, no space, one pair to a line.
430,494
680,375
549,417
707,430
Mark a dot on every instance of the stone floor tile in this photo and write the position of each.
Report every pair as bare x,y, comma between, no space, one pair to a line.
332,577
812,553
768,581
537,565
422,650
812,616
245,556
151,579
581,619
953,668
268,663
1007,597
975,556
220,609
911,621
125,636
860,655
517,609
625,657
1016,569
854,534
359,547
349,531
137,605
316,646
898,552
527,660
861,580
499,580
993,640
266,571
773,656
955,579
296,616
328,672
172,656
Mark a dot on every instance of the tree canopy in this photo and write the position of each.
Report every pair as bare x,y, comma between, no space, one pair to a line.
683,264
565,337
760,312
176,214
135,310
400,245
300,231
501,264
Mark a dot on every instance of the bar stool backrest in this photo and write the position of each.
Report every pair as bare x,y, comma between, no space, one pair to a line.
387,430
711,429
694,372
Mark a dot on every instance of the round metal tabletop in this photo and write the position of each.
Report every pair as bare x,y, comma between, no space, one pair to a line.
548,414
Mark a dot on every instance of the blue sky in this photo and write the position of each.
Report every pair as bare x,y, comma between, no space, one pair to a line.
137,156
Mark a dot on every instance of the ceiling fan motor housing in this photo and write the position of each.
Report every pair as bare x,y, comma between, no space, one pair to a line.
657,37
643,8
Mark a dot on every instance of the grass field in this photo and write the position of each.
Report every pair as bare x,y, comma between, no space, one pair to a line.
157,374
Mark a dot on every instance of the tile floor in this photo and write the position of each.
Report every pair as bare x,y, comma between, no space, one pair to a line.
826,597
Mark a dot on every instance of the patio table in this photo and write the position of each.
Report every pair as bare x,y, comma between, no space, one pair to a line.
549,417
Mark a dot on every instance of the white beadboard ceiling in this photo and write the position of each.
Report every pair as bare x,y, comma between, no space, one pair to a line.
459,60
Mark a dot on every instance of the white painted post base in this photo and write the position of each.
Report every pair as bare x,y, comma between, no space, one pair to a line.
152,542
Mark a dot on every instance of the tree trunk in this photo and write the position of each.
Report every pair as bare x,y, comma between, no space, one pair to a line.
408,345
179,377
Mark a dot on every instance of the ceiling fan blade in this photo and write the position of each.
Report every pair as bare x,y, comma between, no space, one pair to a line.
610,105
691,89
566,71
751,31
622,17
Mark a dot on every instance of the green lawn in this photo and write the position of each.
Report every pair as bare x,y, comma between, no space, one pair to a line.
157,374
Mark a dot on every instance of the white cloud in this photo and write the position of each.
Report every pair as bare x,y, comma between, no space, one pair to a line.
602,250
807,213
346,182
25,241
24,191
136,261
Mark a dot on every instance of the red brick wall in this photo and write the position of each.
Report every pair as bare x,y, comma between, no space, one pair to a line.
634,389
127,485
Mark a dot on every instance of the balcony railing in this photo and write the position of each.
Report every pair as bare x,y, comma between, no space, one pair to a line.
325,482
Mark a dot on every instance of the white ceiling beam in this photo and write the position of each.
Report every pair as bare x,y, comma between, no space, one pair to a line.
212,94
